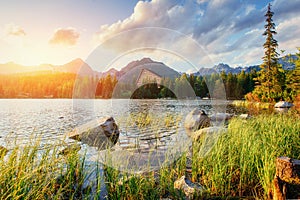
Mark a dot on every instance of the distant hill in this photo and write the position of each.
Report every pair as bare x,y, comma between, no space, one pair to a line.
13,68
76,66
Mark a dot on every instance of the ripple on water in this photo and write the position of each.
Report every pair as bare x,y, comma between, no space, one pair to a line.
50,119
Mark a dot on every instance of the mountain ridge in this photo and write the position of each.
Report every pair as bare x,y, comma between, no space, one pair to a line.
78,66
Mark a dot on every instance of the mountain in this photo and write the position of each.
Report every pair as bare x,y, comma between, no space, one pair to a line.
111,71
133,69
285,61
13,68
221,67
76,66
136,63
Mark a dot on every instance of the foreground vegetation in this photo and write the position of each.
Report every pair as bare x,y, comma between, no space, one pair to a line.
241,163
28,173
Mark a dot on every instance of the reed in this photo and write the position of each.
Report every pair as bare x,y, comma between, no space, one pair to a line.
242,162
30,173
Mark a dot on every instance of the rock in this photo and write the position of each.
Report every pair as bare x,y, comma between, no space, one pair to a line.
245,116
220,116
209,130
70,149
196,120
3,151
188,187
102,133
281,110
283,104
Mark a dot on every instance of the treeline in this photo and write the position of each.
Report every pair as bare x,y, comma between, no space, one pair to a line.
67,85
233,86
56,85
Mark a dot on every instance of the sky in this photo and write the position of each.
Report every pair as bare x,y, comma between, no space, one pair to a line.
184,34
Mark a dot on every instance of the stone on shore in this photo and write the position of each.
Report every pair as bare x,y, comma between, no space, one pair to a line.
196,120
188,187
244,116
283,104
208,131
101,133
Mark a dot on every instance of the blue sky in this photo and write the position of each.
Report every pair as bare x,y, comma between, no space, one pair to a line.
187,34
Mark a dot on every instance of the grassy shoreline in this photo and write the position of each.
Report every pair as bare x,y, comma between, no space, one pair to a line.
241,163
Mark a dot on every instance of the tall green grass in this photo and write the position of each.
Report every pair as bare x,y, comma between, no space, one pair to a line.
255,108
28,173
242,163
150,185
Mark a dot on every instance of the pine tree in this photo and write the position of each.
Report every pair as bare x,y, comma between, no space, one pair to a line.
271,77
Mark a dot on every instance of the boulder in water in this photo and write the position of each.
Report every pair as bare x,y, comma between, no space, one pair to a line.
196,120
102,133
209,131
70,149
220,116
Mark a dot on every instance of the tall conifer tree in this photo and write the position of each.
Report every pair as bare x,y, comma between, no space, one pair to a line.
271,77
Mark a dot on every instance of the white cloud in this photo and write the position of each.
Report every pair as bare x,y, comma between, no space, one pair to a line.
288,32
249,9
67,36
226,31
14,30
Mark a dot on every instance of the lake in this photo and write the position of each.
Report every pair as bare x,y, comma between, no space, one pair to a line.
24,120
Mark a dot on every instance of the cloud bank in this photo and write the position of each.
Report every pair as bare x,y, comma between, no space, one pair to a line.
229,31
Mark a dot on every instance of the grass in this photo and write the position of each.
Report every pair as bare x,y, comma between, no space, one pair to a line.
151,185
27,173
255,107
144,120
240,164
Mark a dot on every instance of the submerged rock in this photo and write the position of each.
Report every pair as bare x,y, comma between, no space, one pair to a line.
220,116
102,133
70,149
188,187
283,104
196,120
209,130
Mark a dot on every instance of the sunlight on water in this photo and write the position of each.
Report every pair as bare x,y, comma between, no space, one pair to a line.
143,124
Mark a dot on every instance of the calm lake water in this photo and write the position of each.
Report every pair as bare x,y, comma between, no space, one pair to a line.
50,119
25,120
